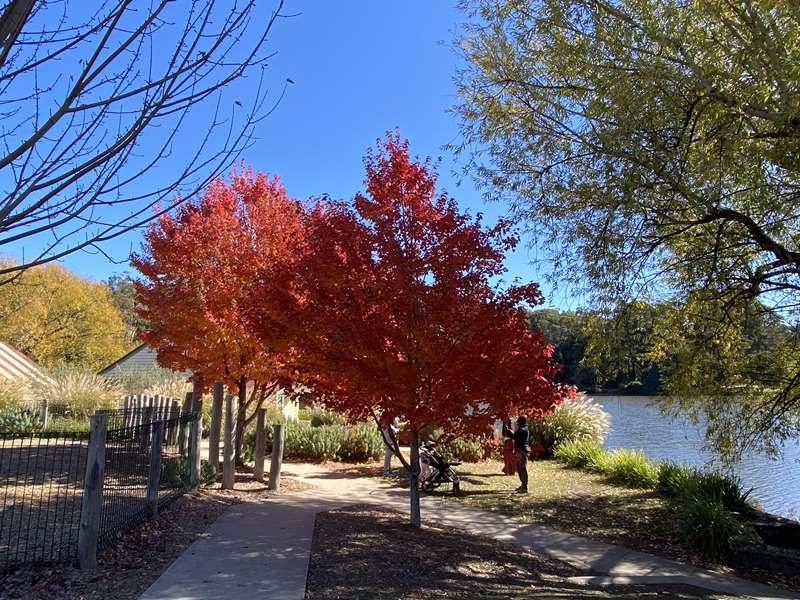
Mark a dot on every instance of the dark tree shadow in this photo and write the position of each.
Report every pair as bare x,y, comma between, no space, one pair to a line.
362,552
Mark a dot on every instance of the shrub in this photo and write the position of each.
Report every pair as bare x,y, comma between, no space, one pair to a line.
67,424
715,487
673,479
582,454
78,391
709,526
19,420
578,419
321,417
207,474
176,472
351,443
633,468
471,448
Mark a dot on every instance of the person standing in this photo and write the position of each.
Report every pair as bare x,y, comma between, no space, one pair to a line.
509,461
388,446
522,448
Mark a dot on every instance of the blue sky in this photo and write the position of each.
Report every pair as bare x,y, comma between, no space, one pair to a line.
360,68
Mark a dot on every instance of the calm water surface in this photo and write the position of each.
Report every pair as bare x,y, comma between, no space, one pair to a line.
636,422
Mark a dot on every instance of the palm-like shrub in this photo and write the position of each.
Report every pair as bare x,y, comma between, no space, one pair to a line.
78,392
576,419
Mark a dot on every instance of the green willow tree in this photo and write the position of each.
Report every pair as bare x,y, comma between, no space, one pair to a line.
653,146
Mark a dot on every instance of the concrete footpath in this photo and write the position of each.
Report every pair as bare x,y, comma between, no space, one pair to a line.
260,550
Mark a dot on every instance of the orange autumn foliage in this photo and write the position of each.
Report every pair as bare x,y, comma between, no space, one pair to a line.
199,268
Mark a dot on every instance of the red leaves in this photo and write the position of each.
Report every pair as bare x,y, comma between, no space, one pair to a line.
397,313
385,306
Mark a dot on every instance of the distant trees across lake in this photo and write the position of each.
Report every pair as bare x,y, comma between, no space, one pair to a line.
629,350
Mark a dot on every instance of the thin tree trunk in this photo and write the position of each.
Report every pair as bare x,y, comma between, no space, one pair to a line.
240,418
416,519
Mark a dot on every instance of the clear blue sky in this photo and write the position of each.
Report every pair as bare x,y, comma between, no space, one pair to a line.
360,68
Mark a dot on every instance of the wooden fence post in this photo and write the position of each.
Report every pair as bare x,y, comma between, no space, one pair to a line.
215,426
195,436
261,443
228,468
183,426
154,472
174,413
89,529
276,458
45,413
144,428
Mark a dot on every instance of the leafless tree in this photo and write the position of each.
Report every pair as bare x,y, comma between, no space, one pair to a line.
113,111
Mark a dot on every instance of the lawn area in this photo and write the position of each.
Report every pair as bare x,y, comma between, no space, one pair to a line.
578,502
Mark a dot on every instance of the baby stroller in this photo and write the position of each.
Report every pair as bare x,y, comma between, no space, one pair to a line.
436,469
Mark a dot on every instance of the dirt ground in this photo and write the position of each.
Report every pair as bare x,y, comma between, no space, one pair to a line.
129,566
395,561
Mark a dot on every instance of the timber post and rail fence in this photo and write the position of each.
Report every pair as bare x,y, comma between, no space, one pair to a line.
65,496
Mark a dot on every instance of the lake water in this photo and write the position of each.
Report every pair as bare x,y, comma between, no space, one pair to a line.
636,422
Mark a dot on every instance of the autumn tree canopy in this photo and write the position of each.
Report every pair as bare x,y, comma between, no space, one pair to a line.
395,310
58,318
199,268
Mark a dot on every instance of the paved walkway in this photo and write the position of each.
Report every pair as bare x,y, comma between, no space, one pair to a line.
260,550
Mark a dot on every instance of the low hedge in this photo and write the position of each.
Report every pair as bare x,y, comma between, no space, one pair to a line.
345,443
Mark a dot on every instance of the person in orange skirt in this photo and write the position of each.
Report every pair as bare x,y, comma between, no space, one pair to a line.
509,462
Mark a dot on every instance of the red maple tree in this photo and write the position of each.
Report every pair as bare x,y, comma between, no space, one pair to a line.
198,270
394,310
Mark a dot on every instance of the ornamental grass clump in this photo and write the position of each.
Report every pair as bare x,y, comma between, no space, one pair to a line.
709,526
632,468
78,392
14,394
153,381
674,478
575,419
582,454
721,489
342,443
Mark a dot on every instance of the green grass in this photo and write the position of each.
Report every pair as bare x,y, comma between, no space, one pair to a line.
578,502
631,467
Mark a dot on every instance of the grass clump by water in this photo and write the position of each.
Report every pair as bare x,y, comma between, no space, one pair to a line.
628,467
708,526
633,468
674,478
581,454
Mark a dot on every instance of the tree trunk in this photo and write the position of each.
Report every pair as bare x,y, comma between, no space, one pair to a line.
416,520
240,418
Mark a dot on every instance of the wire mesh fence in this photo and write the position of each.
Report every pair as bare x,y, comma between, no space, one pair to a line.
41,484
42,478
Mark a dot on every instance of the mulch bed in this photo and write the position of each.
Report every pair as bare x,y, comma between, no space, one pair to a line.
363,552
126,569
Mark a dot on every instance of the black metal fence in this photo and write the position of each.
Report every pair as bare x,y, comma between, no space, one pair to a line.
43,481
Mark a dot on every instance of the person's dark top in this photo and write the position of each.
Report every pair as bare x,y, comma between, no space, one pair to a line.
520,436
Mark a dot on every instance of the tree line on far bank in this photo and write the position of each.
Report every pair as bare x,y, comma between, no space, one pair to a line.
633,349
